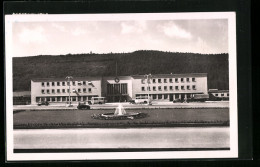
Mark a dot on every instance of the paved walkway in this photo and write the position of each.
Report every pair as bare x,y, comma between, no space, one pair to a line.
221,104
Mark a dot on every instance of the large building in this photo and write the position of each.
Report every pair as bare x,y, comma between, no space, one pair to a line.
161,87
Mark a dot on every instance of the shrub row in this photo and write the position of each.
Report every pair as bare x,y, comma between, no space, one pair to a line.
120,124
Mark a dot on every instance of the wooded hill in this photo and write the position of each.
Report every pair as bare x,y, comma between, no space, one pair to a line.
138,62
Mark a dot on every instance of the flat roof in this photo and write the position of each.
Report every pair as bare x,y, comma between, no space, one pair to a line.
218,91
175,75
112,77
64,79
22,93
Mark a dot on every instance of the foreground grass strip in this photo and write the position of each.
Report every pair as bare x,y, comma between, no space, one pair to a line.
120,125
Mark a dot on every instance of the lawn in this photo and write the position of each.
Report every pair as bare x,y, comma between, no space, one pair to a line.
156,117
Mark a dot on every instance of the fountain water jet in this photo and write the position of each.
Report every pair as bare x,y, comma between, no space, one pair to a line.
120,110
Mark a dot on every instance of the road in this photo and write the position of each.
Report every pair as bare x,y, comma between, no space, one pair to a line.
220,104
215,137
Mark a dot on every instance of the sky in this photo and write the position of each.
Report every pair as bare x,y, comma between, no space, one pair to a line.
208,36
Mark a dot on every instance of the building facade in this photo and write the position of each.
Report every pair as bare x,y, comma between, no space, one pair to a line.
219,93
168,87
160,87
59,90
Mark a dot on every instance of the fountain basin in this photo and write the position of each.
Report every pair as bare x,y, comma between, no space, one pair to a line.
112,116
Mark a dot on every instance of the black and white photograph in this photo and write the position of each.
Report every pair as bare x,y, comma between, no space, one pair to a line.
121,86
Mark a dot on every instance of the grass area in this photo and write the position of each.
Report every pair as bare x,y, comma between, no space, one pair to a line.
156,117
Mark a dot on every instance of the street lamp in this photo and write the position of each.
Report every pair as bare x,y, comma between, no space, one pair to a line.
69,78
148,87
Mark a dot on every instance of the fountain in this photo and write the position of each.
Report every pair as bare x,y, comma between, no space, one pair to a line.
119,114
120,110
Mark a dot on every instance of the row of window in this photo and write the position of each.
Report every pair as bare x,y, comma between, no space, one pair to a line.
170,80
63,83
165,96
188,87
84,90
222,94
64,98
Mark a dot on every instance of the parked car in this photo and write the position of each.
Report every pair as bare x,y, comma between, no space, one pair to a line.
43,103
82,106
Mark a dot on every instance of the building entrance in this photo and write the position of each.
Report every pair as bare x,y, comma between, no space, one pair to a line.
117,92
119,98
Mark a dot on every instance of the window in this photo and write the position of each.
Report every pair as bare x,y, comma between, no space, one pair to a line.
43,91
165,87
176,80
159,96
43,84
52,91
48,84
170,87
58,98
154,97
63,83
222,94
63,90
193,87
68,90
165,80
159,88
148,88
154,88
177,87
73,98
159,81
48,91
89,83
177,96
154,80
188,79
216,94
68,83
188,87
79,90
170,80
89,89
165,96
84,90
58,83
182,80
84,82
182,87
58,90
53,84
38,99
143,81
74,83
227,94
193,80
53,99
